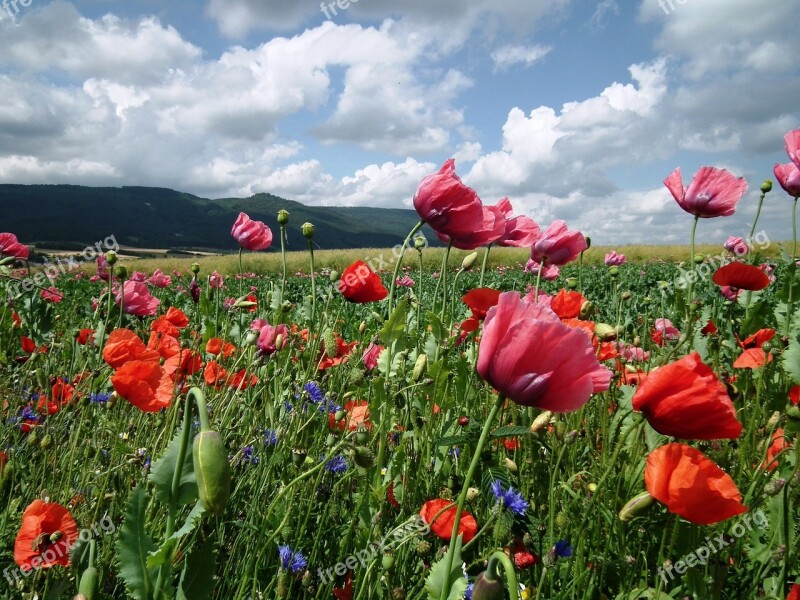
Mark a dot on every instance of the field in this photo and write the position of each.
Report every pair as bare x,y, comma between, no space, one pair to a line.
455,424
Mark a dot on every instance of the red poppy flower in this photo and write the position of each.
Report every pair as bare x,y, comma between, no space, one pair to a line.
190,362
479,301
442,525
241,380
166,345
752,358
164,326
145,384
62,392
177,317
741,276
778,445
360,284
794,395
214,374
691,485
45,537
341,354
756,340
214,346
28,345
357,416
685,399
709,328
124,345
567,305
346,592
52,294
794,593
86,336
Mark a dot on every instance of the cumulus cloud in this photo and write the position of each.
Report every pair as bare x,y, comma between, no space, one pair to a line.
525,56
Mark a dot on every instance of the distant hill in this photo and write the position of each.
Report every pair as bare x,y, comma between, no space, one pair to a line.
73,216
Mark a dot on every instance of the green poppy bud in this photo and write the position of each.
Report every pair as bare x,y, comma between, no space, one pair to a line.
195,268
488,588
363,457
766,187
308,230
420,242
283,217
468,261
111,257
420,367
212,471
636,506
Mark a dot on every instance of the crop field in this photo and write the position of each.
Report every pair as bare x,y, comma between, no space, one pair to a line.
546,421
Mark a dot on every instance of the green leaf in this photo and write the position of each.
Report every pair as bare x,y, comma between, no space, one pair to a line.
394,327
197,578
451,440
510,431
163,470
133,546
439,576
791,361
157,558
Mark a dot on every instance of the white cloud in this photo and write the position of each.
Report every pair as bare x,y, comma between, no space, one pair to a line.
508,56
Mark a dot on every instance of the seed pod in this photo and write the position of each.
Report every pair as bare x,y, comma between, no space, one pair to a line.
90,583
212,470
47,442
308,230
605,332
387,561
329,338
283,217
420,367
364,457
635,506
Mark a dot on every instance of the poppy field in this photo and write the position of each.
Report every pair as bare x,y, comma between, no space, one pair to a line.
549,430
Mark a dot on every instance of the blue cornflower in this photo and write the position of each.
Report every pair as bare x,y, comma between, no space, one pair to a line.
563,549
270,437
468,593
510,498
455,452
314,392
336,465
99,397
248,456
291,560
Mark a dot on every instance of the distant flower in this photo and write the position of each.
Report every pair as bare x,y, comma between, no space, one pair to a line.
291,560
778,445
563,549
251,235
371,354
520,231
613,259
712,193
663,329
549,272
99,397
160,280
137,276
216,281
359,284
736,245
52,294
270,437
314,392
194,290
405,281
510,498
247,455
267,342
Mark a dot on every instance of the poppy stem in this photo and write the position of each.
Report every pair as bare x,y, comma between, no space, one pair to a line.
462,497
758,214
538,281
283,259
690,289
483,266
501,559
399,261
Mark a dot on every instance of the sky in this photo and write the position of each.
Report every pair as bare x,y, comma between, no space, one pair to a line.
574,109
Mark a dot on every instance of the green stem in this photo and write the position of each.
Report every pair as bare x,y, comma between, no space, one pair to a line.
690,290
313,280
462,497
483,266
758,214
538,282
241,274
790,302
397,264
283,260
501,559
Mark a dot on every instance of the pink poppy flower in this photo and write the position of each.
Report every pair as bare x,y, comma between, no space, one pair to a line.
267,342
531,357
558,245
487,231
160,280
615,260
447,205
549,272
136,299
520,231
370,356
251,235
736,245
137,276
103,271
792,140
405,281
788,175
712,193
10,246
52,294
216,281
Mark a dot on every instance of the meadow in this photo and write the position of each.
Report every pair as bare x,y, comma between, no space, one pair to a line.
547,421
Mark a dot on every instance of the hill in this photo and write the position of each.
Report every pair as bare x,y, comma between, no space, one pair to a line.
71,216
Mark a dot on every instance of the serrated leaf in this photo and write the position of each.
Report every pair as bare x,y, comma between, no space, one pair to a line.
438,577
157,558
163,469
510,431
394,327
197,578
791,361
133,546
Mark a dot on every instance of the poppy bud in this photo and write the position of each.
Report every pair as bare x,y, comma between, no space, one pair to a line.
308,230
586,309
463,421
420,242
698,259
398,594
251,338
33,438
121,272
793,413
195,268
614,272
334,276
510,465
283,217
472,494
387,561
364,457
299,456
90,582
766,187
212,471
47,442
488,588
773,420
468,261
111,257
588,242
605,332
774,487
572,283
541,421
626,295
363,327
420,367
635,506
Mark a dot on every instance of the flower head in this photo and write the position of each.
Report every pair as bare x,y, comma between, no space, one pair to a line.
359,284
558,245
251,235
45,536
291,560
712,193
510,498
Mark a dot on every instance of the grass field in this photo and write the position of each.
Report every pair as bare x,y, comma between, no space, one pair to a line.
383,258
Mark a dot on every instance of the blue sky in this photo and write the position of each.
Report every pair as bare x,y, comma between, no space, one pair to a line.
573,109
